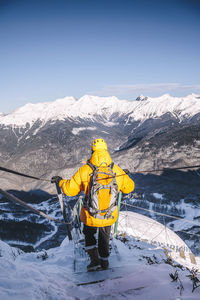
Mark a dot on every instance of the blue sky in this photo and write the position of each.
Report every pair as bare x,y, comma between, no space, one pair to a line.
51,49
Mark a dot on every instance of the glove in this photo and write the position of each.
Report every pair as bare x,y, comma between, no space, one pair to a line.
56,179
126,171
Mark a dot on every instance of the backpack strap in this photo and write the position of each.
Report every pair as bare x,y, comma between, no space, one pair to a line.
93,167
111,165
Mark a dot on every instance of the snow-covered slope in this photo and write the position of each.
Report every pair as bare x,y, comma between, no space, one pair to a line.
142,273
178,106
90,106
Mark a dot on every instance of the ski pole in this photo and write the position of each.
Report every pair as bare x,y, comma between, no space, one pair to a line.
65,216
119,204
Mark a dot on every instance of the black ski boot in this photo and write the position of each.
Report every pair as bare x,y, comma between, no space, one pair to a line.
94,260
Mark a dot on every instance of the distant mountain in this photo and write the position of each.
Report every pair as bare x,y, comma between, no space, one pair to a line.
109,108
53,138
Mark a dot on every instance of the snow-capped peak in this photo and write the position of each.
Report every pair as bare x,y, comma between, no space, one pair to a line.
141,98
97,98
88,106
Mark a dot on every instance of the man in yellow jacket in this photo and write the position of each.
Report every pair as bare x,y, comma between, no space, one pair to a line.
100,180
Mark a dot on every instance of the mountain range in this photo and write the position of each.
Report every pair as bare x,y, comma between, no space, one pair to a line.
52,138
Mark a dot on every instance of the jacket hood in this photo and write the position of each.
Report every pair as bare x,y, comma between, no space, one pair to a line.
101,158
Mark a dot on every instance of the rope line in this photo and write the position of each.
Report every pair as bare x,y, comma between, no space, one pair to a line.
109,177
152,240
22,203
152,171
151,221
22,174
168,169
162,214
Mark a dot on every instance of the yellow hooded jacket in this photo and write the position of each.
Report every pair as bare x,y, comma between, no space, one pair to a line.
80,183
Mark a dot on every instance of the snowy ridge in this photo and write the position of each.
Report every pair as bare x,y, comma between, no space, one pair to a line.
85,107
90,106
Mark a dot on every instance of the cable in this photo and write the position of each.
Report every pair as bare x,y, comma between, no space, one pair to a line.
22,203
168,242
150,222
153,171
162,214
109,177
22,174
168,169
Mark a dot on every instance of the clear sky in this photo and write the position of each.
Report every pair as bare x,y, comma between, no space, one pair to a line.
51,49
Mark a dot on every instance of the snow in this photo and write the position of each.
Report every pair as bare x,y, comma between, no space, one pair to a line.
76,131
191,213
153,232
8,252
158,196
50,275
90,106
